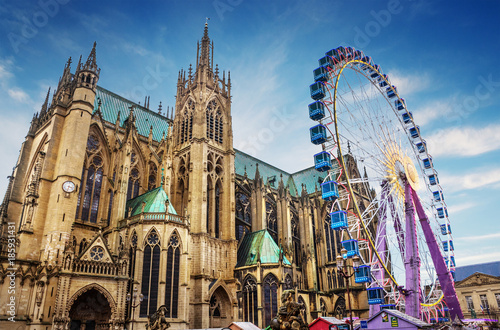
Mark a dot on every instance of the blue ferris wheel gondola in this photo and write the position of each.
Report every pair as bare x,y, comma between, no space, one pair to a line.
448,245
317,110
375,296
329,191
427,162
321,74
445,229
387,306
442,212
415,132
400,104
433,179
362,274
407,117
323,161
338,220
421,146
327,62
391,91
383,80
318,134
318,90
351,245
438,195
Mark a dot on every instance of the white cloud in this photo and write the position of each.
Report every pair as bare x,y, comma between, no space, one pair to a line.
479,237
433,110
465,141
409,83
477,258
455,209
19,95
479,178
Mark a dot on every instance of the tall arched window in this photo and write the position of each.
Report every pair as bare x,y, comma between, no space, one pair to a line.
134,178
243,215
186,122
330,237
153,172
92,177
295,235
250,300
172,278
270,298
150,271
217,211
287,285
111,196
272,220
214,122
329,279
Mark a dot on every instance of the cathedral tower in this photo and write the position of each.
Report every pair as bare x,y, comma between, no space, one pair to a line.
203,188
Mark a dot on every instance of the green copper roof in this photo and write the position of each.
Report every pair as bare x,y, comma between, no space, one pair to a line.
309,177
112,104
256,246
155,202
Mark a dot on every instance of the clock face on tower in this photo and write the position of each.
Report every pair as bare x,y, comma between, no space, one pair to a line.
68,186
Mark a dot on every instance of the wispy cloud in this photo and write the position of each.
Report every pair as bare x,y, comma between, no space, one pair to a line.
477,258
479,237
19,95
465,141
433,110
454,209
479,178
409,83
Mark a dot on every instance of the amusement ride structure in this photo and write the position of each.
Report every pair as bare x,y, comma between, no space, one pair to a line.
361,118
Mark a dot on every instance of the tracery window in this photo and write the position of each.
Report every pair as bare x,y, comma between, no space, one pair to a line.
295,235
287,285
186,123
92,176
153,172
111,196
270,298
329,237
134,177
250,300
243,215
272,220
214,122
150,271
329,279
213,208
172,278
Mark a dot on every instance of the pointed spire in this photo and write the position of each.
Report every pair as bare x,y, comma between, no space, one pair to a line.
205,48
159,109
91,63
45,104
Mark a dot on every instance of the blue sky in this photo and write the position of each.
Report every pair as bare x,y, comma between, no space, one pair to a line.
442,56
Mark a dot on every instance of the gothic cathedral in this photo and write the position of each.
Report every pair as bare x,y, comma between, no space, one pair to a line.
114,211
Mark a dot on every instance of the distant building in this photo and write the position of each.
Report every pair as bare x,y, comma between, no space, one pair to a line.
110,199
478,290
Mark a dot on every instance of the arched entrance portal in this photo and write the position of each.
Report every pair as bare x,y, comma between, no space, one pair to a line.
220,309
90,311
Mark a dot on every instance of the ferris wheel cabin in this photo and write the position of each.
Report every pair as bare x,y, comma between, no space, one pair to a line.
375,296
351,245
433,179
400,104
407,117
427,162
338,220
448,245
391,91
317,110
322,161
415,132
321,74
445,229
421,146
438,195
383,81
362,274
318,90
442,212
329,191
318,134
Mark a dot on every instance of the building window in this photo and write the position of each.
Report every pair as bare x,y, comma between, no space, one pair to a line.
295,236
92,176
186,123
470,303
497,297
270,298
288,285
150,271
214,122
153,171
131,269
272,220
243,215
134,178
250,300
484,302
172,278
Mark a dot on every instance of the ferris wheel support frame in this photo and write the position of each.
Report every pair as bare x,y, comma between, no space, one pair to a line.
443,274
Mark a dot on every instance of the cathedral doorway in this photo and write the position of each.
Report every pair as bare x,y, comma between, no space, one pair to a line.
220,309
90,311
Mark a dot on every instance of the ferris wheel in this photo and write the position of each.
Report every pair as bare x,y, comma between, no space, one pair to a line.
384,190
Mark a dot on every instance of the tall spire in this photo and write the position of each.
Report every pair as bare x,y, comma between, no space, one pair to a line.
91,63
205,48
45,105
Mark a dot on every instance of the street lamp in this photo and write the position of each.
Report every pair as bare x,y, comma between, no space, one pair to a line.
133,298
342,269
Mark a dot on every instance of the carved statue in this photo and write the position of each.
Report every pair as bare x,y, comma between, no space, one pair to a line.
157,320
289,314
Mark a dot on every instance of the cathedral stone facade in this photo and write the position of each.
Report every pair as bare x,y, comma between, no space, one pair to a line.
114,210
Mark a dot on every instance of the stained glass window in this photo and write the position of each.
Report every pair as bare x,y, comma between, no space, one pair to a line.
172,278
153,171
217,211
91,182
150,271
250,300
270,298
272,220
